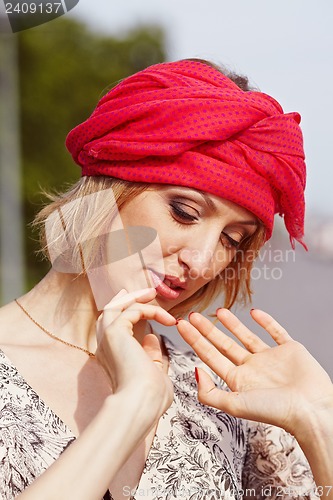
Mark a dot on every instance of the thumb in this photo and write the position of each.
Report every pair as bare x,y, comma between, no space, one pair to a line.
152,348
209,394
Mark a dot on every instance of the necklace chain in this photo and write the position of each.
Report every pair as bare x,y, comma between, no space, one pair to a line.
50,334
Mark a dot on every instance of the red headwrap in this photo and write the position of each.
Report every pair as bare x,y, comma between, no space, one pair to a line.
185,123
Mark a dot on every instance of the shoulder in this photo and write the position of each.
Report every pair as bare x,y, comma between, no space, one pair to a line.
11,330
9,323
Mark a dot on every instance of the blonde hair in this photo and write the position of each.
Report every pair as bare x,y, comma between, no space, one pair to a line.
87,225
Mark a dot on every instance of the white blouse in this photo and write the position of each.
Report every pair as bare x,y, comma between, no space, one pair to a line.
198,452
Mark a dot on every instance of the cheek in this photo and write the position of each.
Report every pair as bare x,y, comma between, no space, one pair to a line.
221,261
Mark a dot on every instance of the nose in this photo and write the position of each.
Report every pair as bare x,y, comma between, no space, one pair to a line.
199,255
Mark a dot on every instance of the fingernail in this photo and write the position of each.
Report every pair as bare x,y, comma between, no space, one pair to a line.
189,315
218,309
178,319
196,373
252,309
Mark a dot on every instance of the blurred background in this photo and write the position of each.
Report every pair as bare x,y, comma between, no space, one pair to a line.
51,77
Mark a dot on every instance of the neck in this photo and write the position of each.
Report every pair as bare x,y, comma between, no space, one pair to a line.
64,304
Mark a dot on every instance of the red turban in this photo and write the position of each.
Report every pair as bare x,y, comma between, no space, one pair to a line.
185,123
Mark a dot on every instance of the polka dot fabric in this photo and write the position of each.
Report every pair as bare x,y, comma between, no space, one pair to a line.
185,123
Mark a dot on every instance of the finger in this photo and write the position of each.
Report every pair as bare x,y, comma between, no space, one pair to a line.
276,331
136,312
152,348
121,293
226,345
120,302
209,394
204,349
249,340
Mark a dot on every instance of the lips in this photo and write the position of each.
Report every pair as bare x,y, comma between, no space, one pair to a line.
174,282
169,283
170,287
156,277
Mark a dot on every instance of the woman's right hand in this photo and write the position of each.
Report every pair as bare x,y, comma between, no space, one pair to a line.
142,392
131,367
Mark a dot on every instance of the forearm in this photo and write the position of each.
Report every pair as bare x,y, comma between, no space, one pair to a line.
87,467
317,444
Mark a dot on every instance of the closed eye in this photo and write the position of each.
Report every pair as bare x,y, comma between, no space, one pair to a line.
181,214
229,242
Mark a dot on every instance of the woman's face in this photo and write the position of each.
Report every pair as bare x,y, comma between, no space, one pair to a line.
198,233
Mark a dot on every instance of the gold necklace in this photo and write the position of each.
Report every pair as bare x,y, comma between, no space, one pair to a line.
69,344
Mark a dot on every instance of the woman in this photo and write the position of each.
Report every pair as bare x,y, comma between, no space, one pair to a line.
182,174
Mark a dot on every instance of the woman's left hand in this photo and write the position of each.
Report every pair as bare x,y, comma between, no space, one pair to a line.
279,385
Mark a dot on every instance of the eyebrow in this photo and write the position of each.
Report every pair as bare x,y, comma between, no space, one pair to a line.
213,207
209,202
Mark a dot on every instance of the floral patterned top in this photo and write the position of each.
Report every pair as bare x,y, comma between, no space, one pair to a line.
198,452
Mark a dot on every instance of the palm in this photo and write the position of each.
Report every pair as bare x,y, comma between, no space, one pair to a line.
268,384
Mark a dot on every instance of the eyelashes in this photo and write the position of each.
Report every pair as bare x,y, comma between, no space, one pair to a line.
182,217
231,241
182,214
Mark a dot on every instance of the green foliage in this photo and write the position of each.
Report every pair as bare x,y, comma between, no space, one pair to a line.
64,70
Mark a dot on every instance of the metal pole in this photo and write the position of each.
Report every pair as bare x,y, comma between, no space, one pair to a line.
11,215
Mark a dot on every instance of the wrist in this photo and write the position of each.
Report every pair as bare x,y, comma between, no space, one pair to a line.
315,438
315,425
132,405
314,434
312,416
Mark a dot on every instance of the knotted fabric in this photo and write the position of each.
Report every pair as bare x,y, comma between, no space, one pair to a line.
185,123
